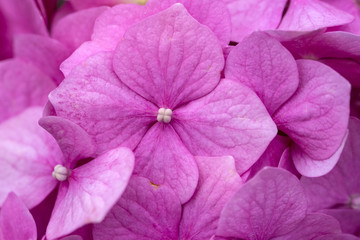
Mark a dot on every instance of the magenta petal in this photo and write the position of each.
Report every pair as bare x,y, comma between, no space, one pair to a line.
90,192
144,212
313,226
28,157
338,236
16,221
21,85
74,142
162,157
18,16
252,15
337,186
269,205
177,61
44,52
311,167
349,219
76,28
272,155
310,15
93,97
213,14
218,181
264,65
316,116
231,120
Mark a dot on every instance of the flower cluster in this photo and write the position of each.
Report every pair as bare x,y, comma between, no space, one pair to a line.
180,119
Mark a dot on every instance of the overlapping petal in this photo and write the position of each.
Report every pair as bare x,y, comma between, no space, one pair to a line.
90,192
231,120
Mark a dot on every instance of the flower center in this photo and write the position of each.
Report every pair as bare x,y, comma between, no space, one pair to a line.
61,173
355,202
164,115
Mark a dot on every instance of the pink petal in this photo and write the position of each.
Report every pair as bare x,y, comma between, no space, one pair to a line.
21,85
316,116
253,15
337,186
179,60
349,219
45,53
145,212
264,65
348,68
163,158
16,221
231,120
338,236
269,205
272,155
311,167
213,14
90,192
313,226
311,15
18,16
74,142
76,28
218,181
28,157
94,98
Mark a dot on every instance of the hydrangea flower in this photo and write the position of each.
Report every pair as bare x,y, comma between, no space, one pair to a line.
307,100
272,205
160,92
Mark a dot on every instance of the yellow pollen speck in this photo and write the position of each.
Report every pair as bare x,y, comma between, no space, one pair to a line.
141,2
154,185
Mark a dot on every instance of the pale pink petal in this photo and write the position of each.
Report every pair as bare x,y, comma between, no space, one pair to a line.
162,157
311,167
44,52
90,192
316,116
169,59
111,25
93,97
313,226
74,142
272,155
16,221
145,212
28,157
264,65
76,28
253,15
231,120
349,219
218,181
271,204
213,14
21,85
311,15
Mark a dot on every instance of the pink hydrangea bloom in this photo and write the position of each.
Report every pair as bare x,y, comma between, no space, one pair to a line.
307,100
160,92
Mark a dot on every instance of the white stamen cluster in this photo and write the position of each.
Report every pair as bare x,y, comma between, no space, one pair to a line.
61,173
164,115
